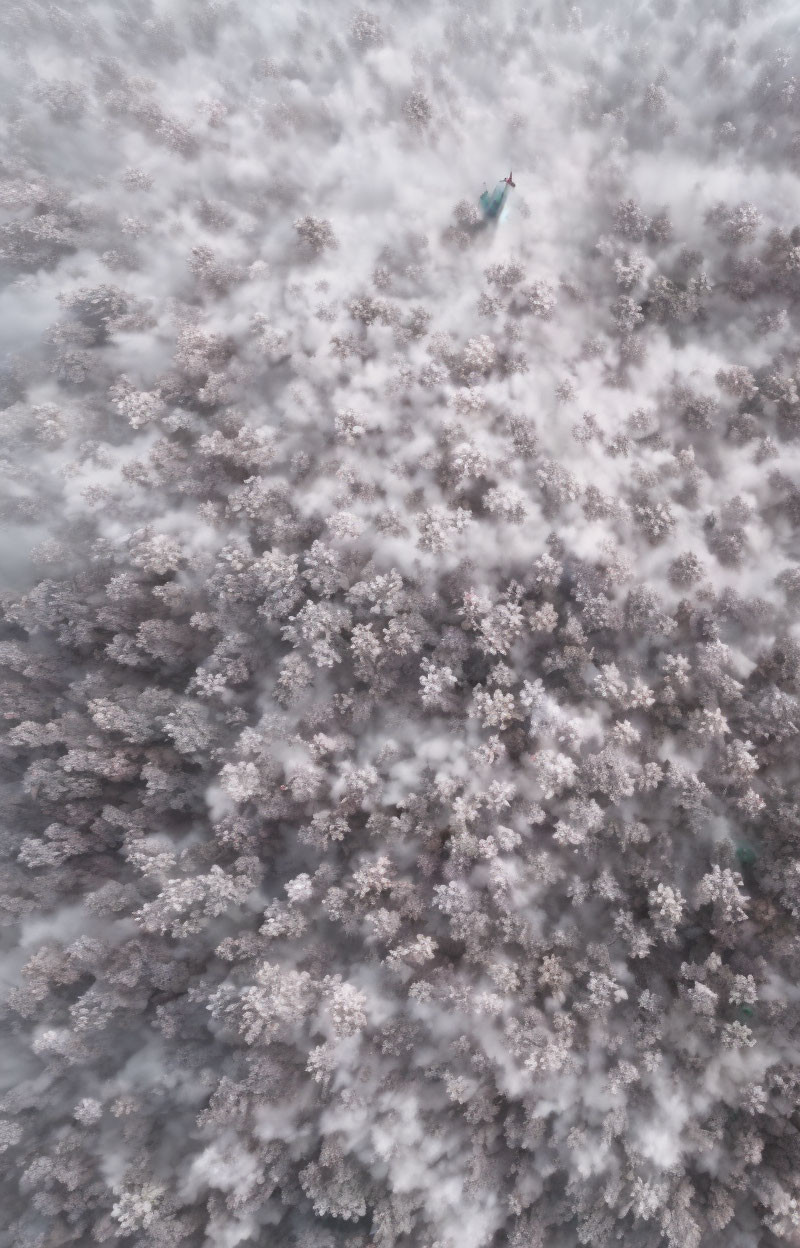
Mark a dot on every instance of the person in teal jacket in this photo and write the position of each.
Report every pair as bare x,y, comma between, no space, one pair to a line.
492,204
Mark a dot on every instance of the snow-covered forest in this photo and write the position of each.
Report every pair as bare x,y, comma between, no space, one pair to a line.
400,647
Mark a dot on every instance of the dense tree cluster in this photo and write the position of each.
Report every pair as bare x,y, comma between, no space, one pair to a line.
400,662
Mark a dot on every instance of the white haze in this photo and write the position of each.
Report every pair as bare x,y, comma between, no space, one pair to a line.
325,924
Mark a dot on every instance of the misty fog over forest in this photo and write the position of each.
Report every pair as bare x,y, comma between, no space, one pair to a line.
400,624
